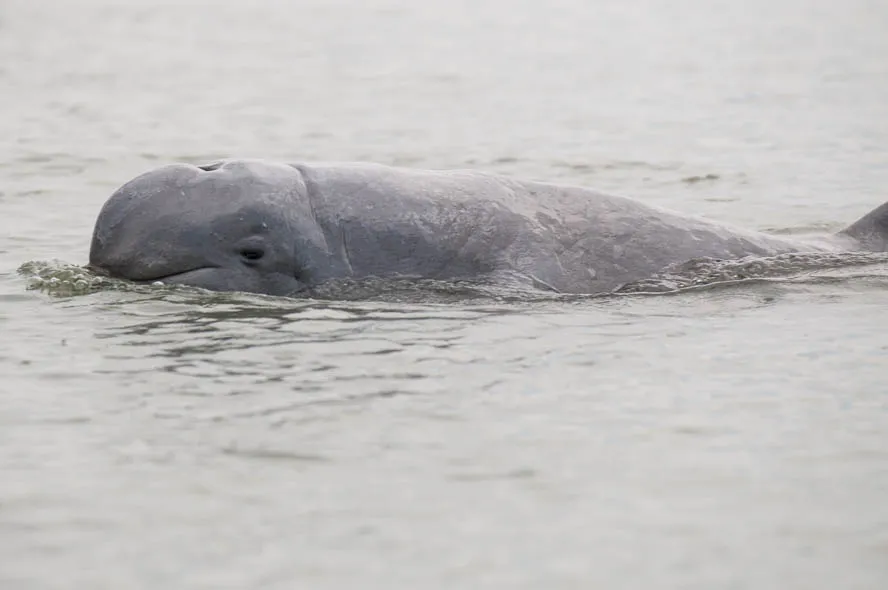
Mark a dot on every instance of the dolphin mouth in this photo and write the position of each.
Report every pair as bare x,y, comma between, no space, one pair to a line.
147,277
212,278
175,277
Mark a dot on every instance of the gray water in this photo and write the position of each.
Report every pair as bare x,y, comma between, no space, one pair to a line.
732,437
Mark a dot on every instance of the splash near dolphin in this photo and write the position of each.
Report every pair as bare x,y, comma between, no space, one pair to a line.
281,229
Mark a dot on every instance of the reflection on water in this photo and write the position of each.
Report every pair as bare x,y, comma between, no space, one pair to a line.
326,352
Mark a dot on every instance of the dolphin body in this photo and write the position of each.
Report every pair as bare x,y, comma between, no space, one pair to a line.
279,229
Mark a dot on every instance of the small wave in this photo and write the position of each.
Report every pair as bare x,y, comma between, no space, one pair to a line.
426,291
63,280
707,272
696,179
59,279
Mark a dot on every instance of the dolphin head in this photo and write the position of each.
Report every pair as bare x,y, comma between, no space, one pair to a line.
236,225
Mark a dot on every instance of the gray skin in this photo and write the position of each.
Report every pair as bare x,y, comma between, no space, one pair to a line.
274,228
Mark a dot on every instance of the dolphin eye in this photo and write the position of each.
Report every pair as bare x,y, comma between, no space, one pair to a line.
252,253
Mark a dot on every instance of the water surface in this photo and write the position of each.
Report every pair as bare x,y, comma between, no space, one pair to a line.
719,438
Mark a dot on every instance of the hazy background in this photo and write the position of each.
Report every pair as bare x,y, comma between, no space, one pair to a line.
731,438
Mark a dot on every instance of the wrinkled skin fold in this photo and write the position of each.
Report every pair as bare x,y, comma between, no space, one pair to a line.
267,227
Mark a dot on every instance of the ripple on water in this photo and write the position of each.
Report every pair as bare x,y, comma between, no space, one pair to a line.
60,279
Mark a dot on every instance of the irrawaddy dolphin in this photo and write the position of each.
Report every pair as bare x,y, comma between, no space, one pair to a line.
280,229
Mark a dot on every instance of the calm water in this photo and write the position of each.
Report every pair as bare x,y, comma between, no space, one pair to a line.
730,438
